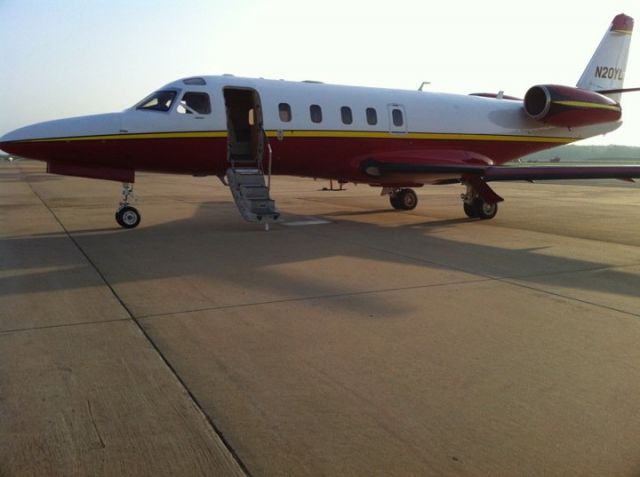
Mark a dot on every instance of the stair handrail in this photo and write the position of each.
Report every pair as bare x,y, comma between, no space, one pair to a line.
270,153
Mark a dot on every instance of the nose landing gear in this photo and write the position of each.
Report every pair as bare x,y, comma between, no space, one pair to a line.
127,216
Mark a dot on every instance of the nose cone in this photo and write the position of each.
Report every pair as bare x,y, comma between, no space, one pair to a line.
8,144
7,140
31,141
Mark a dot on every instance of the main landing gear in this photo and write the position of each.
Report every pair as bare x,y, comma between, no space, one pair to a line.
475,206
126,215
403,199
479,201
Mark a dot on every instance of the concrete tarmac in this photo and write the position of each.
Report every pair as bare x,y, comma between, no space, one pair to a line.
349,340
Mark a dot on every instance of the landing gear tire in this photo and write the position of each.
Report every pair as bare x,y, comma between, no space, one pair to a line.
470,210
484,210
128,217
404,199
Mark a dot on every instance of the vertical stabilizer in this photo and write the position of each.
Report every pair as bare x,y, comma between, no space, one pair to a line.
607,67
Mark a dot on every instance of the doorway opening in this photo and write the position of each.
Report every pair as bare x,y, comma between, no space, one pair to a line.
245,136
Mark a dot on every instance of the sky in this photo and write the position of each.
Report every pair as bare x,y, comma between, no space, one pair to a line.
63,58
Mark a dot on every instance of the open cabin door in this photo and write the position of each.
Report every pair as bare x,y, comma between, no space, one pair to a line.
245,137
245,148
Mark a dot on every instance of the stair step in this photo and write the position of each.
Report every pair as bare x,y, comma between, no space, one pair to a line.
248,171
251,194
262,207
250,181
242,158
254,192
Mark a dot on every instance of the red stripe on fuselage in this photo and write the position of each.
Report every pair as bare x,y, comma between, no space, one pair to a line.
326,157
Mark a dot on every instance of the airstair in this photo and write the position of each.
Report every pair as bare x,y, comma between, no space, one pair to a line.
246,144
251,192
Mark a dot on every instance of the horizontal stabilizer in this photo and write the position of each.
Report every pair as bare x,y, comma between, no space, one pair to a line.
617,91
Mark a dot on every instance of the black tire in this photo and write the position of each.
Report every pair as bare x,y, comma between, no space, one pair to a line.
470,210
405,199
484,210
128,217
395,203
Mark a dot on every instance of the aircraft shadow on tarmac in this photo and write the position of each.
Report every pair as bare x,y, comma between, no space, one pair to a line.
222,261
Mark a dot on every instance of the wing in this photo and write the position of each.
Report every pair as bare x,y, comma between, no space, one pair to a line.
447,167
456,166
533,173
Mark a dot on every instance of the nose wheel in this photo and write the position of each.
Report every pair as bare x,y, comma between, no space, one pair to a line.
127,216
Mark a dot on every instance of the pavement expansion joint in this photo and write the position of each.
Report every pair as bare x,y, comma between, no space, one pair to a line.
569,298
62,325
95,426
319,297
568,272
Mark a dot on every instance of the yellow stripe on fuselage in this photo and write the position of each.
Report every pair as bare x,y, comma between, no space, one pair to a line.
318,134
417,135
125,136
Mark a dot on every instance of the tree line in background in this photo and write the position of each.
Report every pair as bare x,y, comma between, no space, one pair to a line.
589,154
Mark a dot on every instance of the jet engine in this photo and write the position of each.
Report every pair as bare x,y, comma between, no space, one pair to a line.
569,107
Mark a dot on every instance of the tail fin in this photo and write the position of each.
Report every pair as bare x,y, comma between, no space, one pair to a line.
607,67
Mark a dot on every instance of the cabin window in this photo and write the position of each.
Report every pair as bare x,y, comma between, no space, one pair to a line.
347,116
372,116
316,113
194,103
158,101
285,112
396,116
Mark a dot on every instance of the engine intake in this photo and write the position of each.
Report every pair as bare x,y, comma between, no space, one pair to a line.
570,107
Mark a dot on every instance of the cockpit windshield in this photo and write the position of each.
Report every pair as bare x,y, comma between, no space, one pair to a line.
193,102
158,101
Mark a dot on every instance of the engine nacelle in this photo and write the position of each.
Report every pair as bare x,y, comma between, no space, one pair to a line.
569,107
